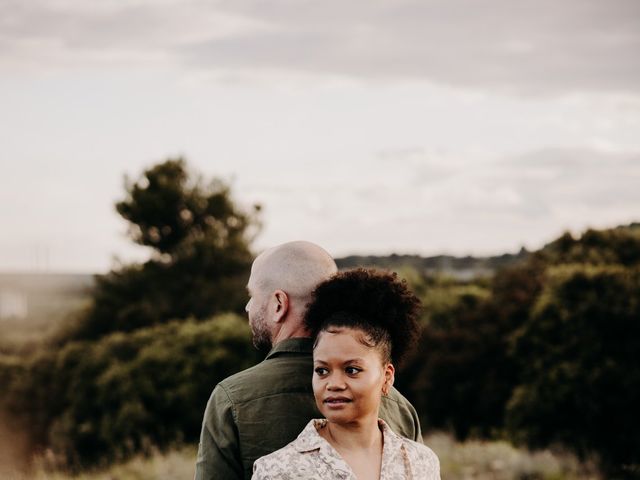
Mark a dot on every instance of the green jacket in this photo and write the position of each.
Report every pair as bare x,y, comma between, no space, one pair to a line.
263,408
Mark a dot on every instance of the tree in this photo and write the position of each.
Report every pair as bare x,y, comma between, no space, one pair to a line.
468,377
579,366
620,245
463,375
199,261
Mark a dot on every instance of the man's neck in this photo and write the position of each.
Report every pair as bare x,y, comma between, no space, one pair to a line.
287,331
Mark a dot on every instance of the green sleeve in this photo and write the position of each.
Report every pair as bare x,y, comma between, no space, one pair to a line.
416,425
219,450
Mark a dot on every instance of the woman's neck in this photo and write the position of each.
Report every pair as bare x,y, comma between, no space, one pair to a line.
359,444
362,435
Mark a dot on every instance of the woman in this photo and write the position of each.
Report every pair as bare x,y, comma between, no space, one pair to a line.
363,322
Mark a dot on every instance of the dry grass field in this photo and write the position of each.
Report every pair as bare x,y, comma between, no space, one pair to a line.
472,460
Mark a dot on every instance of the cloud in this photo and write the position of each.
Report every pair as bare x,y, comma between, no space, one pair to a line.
533,47
577,179
495,204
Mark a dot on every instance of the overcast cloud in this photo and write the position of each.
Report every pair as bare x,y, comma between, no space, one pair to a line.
495,204
532,47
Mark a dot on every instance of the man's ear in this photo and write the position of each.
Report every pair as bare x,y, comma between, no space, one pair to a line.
281,305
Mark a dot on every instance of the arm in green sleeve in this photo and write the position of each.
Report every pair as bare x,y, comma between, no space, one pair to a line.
219,450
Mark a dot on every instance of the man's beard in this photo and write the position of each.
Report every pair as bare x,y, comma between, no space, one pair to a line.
261,336
262,341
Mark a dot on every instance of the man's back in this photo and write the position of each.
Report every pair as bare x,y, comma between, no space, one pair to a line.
260,410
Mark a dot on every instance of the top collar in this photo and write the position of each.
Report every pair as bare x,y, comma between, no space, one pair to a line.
309,439
292,345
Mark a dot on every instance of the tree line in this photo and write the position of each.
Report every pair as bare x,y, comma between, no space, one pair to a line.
541,353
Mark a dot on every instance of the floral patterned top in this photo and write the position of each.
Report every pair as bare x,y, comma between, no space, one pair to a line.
311,457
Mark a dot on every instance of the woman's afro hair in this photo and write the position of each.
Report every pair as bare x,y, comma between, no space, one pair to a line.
374,301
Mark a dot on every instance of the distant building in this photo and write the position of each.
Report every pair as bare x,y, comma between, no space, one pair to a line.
13,304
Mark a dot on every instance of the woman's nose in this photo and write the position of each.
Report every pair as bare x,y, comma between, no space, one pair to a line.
336,382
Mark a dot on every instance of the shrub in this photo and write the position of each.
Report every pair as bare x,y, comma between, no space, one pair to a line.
95,402
579,368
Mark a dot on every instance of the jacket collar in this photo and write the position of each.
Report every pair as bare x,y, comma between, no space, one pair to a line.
292,345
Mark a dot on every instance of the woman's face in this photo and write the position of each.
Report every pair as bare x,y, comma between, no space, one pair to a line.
348,377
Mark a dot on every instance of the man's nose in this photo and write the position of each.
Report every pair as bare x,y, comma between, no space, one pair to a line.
246,307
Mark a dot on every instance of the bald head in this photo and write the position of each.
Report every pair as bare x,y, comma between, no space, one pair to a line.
281,283
294,267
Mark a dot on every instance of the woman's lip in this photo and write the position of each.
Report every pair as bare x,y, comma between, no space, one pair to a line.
335,400
336,403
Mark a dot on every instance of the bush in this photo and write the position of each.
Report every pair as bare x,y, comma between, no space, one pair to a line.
95,402
579,365
459,358
548,357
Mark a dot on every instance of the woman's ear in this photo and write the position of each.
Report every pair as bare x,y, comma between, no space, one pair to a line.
389,377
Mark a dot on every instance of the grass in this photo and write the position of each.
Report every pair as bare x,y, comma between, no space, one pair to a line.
471,460
484,460
177,464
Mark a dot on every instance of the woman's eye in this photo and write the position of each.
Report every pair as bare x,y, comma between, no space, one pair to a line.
321,371
352,370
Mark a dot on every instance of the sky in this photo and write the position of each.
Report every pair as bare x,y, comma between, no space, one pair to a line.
368,127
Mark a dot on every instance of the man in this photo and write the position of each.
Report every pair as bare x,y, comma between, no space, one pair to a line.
261,409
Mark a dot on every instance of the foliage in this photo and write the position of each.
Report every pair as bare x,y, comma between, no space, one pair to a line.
168,210
541,353
126,393
579,365
200,260
546,356
129,372
461,357
620,245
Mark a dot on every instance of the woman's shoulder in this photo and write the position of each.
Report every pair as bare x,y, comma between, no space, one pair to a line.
290,458
420,450
424,462
284,456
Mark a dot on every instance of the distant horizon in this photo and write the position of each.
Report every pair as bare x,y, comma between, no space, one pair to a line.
338,257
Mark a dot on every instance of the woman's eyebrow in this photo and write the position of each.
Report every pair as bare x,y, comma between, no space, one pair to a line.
346,362
353,360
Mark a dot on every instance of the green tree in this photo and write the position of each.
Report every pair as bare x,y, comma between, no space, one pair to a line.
200,255
461,377
465,374
620,245
579,366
